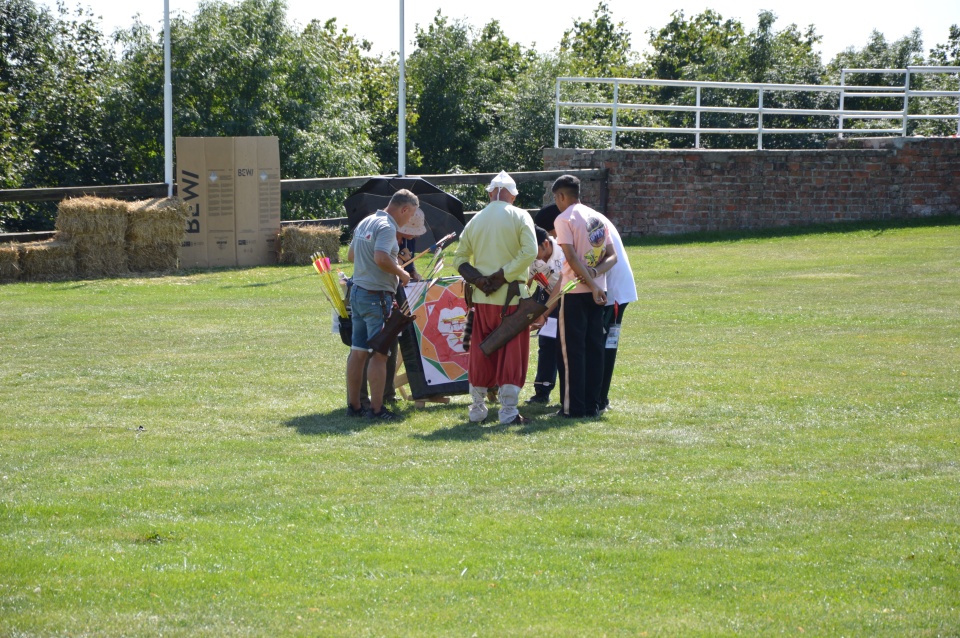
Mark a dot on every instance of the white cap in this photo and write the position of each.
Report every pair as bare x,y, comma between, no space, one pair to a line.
502,180
415,226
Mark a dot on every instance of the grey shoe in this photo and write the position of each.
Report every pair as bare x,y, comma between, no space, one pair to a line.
383,415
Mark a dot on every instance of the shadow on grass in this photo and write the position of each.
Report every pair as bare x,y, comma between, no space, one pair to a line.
467,431
879,227
265,283
331,423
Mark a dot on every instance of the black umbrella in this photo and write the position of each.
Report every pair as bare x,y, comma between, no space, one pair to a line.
442,212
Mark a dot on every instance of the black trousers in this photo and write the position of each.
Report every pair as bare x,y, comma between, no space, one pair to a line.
612,318
546,362
582,340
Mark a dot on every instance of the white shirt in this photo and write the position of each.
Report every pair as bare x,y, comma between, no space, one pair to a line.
621,286
552,266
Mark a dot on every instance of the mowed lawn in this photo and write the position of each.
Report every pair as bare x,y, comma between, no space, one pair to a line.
782,459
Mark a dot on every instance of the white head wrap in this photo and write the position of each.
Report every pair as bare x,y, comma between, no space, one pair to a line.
502,180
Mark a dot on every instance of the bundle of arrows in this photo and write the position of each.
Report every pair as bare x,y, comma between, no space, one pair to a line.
330,283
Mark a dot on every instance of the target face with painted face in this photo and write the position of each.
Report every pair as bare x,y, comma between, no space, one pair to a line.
432,347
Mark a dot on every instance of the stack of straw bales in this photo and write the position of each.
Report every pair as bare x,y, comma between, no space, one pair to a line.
52,260
96,227
299,243
155,229
9,262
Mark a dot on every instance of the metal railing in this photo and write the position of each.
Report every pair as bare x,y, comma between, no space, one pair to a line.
842,113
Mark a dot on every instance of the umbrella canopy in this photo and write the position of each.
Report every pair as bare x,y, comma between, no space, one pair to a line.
443,212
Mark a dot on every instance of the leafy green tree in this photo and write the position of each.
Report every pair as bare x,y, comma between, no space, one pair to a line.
946,54
599,47
708,48
240,69
703,47
448,94
53,72
877,54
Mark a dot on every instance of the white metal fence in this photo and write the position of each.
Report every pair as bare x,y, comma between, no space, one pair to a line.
842,114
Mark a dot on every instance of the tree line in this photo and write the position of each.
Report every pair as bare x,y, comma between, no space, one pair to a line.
80,107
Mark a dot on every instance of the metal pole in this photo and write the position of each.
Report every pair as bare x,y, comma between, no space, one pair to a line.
613,129
167,103
843,95
760,123
402,108
556,119
697,134
906,100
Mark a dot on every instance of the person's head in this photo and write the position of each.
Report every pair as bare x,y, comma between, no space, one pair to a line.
503,188
414,227
544,245
566,191
403,205
546,219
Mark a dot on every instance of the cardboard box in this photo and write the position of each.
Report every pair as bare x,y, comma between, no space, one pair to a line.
233,186
268,172
247,195
191,172
221,249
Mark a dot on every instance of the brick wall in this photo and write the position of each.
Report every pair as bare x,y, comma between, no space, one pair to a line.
659,192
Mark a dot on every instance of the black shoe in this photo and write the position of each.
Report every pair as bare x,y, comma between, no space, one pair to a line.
539,398
383,415
352,412
560,414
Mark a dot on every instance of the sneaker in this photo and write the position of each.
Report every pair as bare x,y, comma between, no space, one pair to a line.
519,420
383,415
539,398
352,412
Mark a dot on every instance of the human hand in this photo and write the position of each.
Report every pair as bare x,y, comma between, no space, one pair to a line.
495,282
404,277
599,297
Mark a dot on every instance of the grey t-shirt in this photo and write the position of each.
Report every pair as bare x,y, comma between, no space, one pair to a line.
376,232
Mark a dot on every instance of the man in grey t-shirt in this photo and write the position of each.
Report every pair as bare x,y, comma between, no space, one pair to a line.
376,276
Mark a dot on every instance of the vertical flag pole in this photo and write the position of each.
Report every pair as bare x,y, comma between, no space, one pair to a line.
167,103
402,108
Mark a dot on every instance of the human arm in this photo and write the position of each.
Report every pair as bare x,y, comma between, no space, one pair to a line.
350,253
461,261
388,264
604,265
580,269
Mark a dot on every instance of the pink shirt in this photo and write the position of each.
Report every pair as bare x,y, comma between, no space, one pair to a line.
588,232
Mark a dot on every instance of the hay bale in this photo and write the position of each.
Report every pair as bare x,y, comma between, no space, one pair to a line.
97,258
47,261
155,231
9,262
92,217
299,243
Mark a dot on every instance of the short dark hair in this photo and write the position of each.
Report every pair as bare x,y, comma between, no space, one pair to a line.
568,184
546,217
541,235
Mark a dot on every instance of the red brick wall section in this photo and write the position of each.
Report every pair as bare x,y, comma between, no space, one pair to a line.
661,192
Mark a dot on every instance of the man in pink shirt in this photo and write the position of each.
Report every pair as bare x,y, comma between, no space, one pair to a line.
586,240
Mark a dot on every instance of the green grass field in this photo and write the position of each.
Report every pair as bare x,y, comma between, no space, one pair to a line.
783,459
